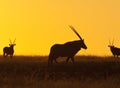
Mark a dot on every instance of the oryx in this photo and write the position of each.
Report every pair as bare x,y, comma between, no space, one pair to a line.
68,49
115,50
9,50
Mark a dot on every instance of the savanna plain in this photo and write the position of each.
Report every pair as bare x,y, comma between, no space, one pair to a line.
33,72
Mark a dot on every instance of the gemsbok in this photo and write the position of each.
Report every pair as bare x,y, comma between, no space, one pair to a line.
9,50
68,49
115,50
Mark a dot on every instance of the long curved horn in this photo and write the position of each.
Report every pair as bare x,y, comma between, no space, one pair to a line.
14,40
10,41
75,32
113,42
109,42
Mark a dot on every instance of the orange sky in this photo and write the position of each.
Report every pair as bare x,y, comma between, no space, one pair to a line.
38,24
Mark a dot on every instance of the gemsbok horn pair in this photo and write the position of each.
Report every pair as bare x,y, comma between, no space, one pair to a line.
115,51
9,50
68,49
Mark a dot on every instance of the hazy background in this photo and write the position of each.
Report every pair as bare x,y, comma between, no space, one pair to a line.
38,24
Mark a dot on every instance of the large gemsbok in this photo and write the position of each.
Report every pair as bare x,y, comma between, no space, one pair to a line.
9,50
68,49
115,50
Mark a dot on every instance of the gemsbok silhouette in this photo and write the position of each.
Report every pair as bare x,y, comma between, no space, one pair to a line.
9,50
68,49
115,50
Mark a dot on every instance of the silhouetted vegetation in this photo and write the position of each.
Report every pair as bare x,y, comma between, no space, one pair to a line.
33,72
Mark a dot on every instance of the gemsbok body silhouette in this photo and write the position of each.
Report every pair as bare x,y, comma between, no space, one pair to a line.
68,49
9,50
115,50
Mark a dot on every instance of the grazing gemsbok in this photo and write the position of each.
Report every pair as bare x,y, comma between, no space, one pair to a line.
9,50
115,51
68,49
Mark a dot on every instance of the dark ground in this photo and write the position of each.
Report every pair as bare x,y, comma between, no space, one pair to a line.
23,70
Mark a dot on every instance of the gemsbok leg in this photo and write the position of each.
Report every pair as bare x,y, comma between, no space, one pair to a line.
4,54
67,59
72,58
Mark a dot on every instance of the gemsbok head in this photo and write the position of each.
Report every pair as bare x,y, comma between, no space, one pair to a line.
68,49
9,50
115,50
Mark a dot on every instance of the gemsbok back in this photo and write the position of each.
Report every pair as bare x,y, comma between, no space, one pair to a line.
115,50
9,50
68,49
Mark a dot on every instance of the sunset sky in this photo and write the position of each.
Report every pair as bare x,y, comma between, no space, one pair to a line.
38,24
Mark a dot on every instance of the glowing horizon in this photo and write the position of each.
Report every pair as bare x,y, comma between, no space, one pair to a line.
38,24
